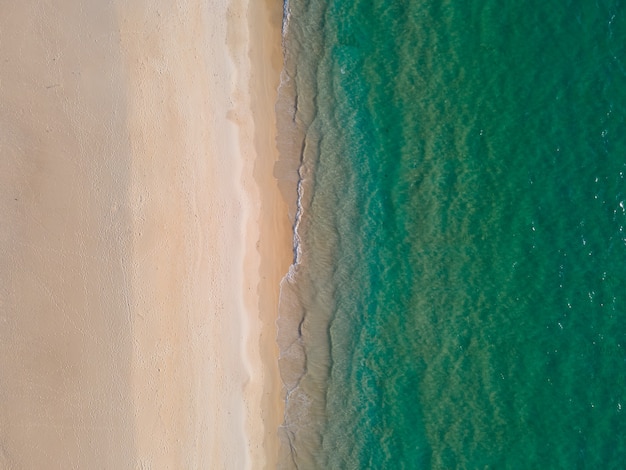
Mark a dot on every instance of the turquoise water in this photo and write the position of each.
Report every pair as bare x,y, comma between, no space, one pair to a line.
459,295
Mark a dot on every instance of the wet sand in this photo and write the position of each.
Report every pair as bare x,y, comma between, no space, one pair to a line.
143,236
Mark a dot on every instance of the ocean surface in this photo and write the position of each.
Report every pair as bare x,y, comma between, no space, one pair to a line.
458,294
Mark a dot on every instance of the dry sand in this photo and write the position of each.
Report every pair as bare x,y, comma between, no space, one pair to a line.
142,236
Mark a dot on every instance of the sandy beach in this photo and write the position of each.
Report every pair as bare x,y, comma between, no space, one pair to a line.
143,236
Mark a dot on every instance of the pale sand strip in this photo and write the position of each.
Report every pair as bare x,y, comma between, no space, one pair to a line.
135,186
197,343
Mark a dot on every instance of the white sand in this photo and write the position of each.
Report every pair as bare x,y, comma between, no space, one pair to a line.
143,237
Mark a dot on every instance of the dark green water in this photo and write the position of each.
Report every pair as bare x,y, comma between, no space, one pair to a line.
459,299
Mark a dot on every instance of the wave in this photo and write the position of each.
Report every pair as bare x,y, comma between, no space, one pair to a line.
302,323
289,170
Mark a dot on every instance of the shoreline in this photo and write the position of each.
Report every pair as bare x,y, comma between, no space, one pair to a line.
276,234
